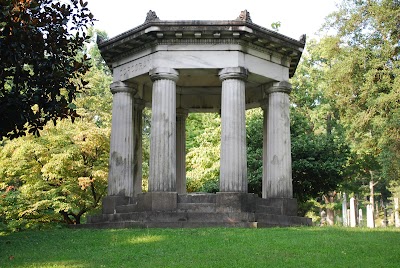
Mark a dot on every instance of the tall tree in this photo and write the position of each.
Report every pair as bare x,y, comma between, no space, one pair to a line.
361,63
41,66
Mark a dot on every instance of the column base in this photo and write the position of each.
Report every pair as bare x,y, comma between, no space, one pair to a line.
112,201
235,202
280,206
157,201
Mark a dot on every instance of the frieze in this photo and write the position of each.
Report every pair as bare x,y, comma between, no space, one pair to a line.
131,69
203,41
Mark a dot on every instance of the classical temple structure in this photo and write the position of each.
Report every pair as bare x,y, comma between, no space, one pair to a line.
179,67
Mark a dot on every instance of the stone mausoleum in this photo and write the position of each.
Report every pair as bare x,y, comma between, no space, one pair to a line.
179,67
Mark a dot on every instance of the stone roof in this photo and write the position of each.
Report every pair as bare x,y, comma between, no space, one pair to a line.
154,30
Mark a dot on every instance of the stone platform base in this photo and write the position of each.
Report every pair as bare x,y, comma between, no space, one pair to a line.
170,210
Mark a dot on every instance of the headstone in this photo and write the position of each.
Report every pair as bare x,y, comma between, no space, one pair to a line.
360,218
344,210
323,218
396,212
370,216
348,217
353,221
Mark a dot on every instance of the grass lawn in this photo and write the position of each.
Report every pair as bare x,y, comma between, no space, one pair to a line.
208,247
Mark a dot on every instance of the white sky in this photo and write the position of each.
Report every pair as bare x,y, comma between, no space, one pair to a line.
297,17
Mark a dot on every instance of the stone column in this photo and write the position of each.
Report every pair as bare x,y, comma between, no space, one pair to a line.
264,106
163,131
233,173
120,175
138,148
277,178
181,115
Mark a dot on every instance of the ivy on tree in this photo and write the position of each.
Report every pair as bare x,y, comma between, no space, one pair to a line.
41,66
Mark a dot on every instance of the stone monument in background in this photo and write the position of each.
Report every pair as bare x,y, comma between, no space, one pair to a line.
179,67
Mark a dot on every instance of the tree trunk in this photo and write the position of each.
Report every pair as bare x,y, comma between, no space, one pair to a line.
371,195
330,212
67,219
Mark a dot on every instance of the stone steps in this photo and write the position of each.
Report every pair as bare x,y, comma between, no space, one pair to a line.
172,216
197,198
174,219
170,210
193,220
196,207
269,220
135,224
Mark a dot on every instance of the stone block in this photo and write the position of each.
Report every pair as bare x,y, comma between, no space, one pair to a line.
112,201
196,207
287,206
235,202
157,201
196,198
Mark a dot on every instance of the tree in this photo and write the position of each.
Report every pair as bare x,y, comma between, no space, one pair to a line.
361,64
61,175
203,152
317,159
41,64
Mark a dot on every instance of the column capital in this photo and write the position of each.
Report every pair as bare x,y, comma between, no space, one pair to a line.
164,73
282,86
140,104
233,73
120,86
181,112
264,104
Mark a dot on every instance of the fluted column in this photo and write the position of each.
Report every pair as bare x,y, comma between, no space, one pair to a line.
138,148
163,131
120,175
233,173
277,175
264,106
181,115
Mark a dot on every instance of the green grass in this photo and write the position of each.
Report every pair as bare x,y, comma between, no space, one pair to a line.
211,247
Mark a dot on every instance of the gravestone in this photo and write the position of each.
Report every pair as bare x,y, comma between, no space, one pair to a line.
370,216
344,210
396,212
353,216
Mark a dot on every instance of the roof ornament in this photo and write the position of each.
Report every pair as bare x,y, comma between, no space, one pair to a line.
151,16
303,38
244,16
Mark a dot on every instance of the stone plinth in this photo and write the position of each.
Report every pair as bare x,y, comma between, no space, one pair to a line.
157,201
235,202
170,210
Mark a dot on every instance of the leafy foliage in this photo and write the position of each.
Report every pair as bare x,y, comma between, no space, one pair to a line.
361,65
61,175
317,159
41,68
203,152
